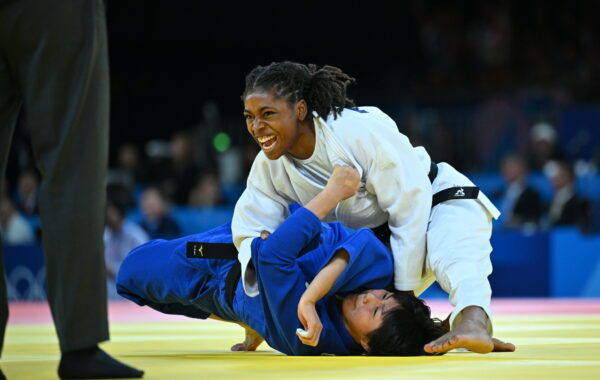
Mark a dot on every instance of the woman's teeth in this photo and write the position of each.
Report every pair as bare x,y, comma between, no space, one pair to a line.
267,142
264,139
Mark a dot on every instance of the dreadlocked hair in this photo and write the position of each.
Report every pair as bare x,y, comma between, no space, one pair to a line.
323,88
405,329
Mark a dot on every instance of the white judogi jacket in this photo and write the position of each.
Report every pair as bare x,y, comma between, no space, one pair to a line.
396,190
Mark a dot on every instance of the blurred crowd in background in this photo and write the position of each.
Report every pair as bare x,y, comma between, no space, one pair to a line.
507,93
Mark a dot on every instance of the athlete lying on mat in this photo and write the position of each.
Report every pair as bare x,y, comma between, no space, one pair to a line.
302,250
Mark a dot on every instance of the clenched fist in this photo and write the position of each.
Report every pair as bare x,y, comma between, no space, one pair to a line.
344,182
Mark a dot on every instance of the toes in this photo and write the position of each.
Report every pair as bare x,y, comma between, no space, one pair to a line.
238,347
443,344
500,346
435,348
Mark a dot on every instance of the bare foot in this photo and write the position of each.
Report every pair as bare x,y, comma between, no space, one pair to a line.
471,334
251,343
475,341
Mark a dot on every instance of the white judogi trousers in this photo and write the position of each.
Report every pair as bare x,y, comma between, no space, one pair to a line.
458,246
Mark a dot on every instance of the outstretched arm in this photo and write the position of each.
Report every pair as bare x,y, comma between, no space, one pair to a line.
280,280
318,288
343,183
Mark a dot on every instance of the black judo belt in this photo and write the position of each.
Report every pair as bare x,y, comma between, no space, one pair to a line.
383,232
227,251
458,192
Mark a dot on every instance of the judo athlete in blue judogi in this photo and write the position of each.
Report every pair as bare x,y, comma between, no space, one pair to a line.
180,277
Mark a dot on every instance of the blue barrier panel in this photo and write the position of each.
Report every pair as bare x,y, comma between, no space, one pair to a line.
200,219
589,187
521,264
25,274
575,264
493,185
562,263
192,220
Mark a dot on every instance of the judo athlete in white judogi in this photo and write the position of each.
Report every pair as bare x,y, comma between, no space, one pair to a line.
304,123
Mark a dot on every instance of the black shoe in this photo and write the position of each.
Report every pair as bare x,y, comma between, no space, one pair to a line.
93,363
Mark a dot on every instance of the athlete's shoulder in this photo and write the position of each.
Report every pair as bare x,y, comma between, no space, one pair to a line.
362,125
361,117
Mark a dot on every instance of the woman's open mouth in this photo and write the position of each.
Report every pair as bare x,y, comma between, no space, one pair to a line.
267,143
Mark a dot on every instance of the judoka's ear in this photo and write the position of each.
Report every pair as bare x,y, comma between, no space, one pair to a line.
365,344
301,109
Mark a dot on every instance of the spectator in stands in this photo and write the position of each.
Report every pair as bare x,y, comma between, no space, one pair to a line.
26,197
13,227
520,204
567,208
543,146
129,170
156,221
158,165
120,235
209,125
596,159
207,192
183,170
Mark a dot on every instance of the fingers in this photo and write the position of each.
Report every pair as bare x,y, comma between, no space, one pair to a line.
348,171
307,314
344,181
345,171
310,337
313,334
264,234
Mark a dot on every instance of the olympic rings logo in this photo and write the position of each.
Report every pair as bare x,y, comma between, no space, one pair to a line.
24,285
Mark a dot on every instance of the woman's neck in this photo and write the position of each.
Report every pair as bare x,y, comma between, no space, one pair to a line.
305,145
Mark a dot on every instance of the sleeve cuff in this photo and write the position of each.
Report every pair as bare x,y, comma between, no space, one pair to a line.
406,286
248,273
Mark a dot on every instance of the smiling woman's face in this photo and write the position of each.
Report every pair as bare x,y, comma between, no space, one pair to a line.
363,312
276,126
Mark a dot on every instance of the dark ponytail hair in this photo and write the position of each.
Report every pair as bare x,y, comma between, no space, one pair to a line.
405,329
323,88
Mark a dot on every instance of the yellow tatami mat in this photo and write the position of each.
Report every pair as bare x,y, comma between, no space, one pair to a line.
549,346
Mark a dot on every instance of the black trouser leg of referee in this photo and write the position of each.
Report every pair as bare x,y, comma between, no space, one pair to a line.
61,79
9,110
54,64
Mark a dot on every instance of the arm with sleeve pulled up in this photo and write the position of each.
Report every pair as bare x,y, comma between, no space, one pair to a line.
343,184
280,280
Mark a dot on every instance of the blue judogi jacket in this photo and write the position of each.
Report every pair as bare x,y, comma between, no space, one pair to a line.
159,274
